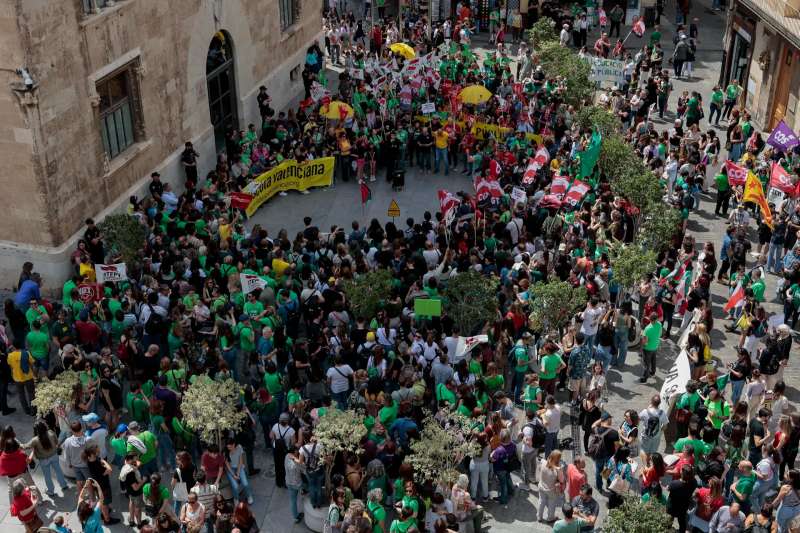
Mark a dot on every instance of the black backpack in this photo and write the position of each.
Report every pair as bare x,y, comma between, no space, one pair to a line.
539,433
313,463
280,442
596,448
156,324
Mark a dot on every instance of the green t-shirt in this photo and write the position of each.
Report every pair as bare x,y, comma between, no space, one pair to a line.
138,407
163,492
700,448
719,411
253,309
494,383
67,290
273,383
293,397
247,338
378,514
529,399
521,359
717,96
443,393
744,486
758,288
149,440
35,314
119,445
652,333
732,92
562,526
388,414
38,344
550,364
722,182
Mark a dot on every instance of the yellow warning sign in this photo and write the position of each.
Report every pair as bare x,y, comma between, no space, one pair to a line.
394,209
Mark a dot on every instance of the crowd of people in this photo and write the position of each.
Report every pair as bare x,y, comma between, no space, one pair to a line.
720,456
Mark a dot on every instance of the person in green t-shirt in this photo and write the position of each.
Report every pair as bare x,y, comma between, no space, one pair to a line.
532,395
376,510
723,192
651,340
38,343
732,92
717,97
743,488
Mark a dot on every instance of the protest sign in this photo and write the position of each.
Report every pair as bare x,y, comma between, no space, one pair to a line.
251,282
428,108
607,71
427,307
116,272
518,195
289,176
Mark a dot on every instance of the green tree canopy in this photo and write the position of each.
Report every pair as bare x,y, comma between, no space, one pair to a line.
367,293
599,119
553,304
441,448
631,262
560,61
627,173
123,235
210,407
660,223
542,32
471,300
635,516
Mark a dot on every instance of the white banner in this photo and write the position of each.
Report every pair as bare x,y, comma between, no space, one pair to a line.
428,108
676,379
607,70
105,273
466,345
518,195
251,282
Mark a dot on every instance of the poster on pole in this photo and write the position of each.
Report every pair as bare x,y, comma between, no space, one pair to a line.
112,273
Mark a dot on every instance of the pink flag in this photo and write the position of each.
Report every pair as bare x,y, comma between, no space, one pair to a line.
577,192
639,27
736,299
559,186
530,173
779,179
737,175
447,200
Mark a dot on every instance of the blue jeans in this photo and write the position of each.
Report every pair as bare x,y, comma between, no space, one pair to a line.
48,465
603,356
621,342
315,481
149,468
774,257
588,340
518,383
760,490
506,486
293,494
599,464
240,485
440,154
424,158
785,514
341,399
550,442
166,450
230,357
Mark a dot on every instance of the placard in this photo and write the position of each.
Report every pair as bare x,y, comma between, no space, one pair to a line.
427,307
428,108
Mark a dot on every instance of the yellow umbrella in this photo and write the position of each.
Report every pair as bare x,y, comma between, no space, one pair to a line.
404,50
333,110
474,94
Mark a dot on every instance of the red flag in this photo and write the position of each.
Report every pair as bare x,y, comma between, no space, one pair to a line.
550,200
577,192
530,172
488,189
366,193
779,179
559,186
736,299
680,296
342,112
240,200
447,200
494,169
737,175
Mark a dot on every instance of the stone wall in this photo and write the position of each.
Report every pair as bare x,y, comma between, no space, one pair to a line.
58,175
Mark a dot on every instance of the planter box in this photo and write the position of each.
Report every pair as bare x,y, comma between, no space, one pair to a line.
313,518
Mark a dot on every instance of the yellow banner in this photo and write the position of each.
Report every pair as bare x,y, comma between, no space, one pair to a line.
482,130
289,176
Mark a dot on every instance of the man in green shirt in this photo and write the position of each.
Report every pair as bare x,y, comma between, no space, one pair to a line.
743,487
758,286
732,92
247,341
717,97
38,343
651,340
145,444
723,192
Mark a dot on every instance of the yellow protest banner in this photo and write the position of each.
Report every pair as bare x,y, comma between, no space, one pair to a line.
483,130
289,176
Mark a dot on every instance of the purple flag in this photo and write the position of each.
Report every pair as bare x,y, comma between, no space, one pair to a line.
783,137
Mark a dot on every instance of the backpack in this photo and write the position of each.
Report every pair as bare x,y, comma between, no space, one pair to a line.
280,442
652,426
313,463
539,433
156,324
597,447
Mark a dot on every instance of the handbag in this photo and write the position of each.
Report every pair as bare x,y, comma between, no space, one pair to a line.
180,492
619,485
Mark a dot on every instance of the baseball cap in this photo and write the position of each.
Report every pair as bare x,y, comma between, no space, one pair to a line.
122,428
91,418
243,317
133,426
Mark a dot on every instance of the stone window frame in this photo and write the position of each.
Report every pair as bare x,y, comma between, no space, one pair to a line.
288,14
93,7
131,62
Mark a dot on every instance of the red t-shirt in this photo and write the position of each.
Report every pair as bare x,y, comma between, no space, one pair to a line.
706,506
212,465
575,480
20,503
13,464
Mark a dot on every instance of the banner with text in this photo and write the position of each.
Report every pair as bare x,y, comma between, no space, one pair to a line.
608,71
106,273
289,176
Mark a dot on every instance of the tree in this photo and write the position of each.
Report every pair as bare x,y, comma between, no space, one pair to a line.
123,235
631,262
339,432
660,224
560,61
471,300
542,32
627,172
367,293
635,516
210,408
441,448
55,393
553,304
599,119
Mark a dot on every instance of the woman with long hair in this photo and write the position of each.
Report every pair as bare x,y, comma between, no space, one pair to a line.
45,450
243,518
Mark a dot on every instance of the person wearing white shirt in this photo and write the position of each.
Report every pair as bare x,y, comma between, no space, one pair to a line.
339,381
564,36
591,321
451,345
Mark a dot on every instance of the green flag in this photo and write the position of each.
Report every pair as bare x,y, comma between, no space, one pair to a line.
590,156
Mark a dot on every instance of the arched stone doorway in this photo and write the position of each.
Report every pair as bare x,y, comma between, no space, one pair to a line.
220,77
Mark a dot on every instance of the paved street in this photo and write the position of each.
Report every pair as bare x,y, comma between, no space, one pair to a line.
341,205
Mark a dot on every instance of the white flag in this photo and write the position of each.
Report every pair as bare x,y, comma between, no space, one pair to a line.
251,282
105,273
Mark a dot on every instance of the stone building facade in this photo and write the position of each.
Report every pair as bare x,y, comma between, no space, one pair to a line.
115,89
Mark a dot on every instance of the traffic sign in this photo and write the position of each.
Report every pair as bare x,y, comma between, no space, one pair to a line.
394,209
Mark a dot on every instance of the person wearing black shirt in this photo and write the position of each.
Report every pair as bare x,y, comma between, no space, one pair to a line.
189,162
263,101
759,434
680,496
605,428
156,187
94,242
